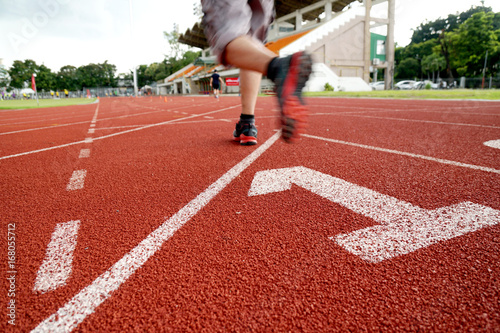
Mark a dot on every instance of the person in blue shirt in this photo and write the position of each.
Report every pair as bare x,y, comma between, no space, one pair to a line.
215,83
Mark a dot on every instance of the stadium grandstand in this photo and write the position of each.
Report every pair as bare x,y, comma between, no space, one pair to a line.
336,32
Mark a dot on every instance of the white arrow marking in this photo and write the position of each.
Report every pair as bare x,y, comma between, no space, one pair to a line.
404,227
56,267
493,144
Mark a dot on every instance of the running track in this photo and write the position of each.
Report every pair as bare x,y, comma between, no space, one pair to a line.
142,215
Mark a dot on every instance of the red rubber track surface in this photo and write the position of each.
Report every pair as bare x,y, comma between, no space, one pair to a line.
249,263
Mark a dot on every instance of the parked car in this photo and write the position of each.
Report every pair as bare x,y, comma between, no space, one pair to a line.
380,85
423,85
405,85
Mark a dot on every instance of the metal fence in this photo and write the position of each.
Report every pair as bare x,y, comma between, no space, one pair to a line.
461,83
19,94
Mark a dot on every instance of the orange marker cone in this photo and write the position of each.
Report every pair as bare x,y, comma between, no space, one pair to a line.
166,100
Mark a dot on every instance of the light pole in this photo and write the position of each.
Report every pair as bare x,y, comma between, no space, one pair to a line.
133,45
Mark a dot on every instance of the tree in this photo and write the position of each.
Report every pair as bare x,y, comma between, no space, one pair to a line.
67,78
471,41
97,75
4,77
173,42
432,30
21,72
45,80
432,64
408,68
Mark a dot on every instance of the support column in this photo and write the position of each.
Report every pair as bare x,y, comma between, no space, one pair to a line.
389,46
298,21
367,41
328,11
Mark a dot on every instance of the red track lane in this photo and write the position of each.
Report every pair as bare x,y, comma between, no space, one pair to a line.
249,263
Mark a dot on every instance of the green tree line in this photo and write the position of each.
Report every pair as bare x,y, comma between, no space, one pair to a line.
453,47
92,75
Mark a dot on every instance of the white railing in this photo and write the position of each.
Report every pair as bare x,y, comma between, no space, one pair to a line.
323,30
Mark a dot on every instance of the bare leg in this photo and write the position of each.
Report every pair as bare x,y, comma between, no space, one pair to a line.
245,52
249,87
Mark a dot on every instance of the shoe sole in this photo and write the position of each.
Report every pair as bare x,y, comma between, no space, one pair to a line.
294,112
245,140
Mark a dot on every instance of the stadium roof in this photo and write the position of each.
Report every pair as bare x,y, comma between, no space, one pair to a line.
195,36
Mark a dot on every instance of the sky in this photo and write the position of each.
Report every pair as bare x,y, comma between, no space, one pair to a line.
57,33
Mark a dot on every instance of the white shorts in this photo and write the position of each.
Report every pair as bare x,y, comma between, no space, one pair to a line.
225,20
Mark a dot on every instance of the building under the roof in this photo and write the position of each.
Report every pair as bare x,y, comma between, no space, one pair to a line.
336,32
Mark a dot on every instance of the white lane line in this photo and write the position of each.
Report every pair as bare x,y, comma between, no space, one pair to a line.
116,134
42,128
87,300
84,153
88,140
56,267
77,180
422,121
91,131
391,151
94,119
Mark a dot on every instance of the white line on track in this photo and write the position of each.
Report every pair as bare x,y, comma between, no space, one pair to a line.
392,151
422,121
84,153
42,128
56,267
87,300
116,134
77,180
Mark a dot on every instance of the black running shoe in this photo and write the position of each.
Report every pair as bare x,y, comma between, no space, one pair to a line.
245,134
290,75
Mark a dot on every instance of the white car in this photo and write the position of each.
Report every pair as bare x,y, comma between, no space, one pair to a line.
405,85
380,85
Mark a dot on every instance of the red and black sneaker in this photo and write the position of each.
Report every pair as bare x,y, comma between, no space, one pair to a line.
245,134
290,75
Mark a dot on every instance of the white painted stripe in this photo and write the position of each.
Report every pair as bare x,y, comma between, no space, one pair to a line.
493,144
87,300
91,131
84,153
76,181
423,121
88,140
56,267
92,124
115,134
391,151
96,112
42,128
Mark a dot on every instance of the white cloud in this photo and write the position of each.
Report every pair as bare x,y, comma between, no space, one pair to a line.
76,32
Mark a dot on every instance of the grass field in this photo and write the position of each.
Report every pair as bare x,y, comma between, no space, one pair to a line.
488,94
43,103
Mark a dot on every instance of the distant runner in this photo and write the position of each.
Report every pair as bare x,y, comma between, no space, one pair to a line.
215,83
